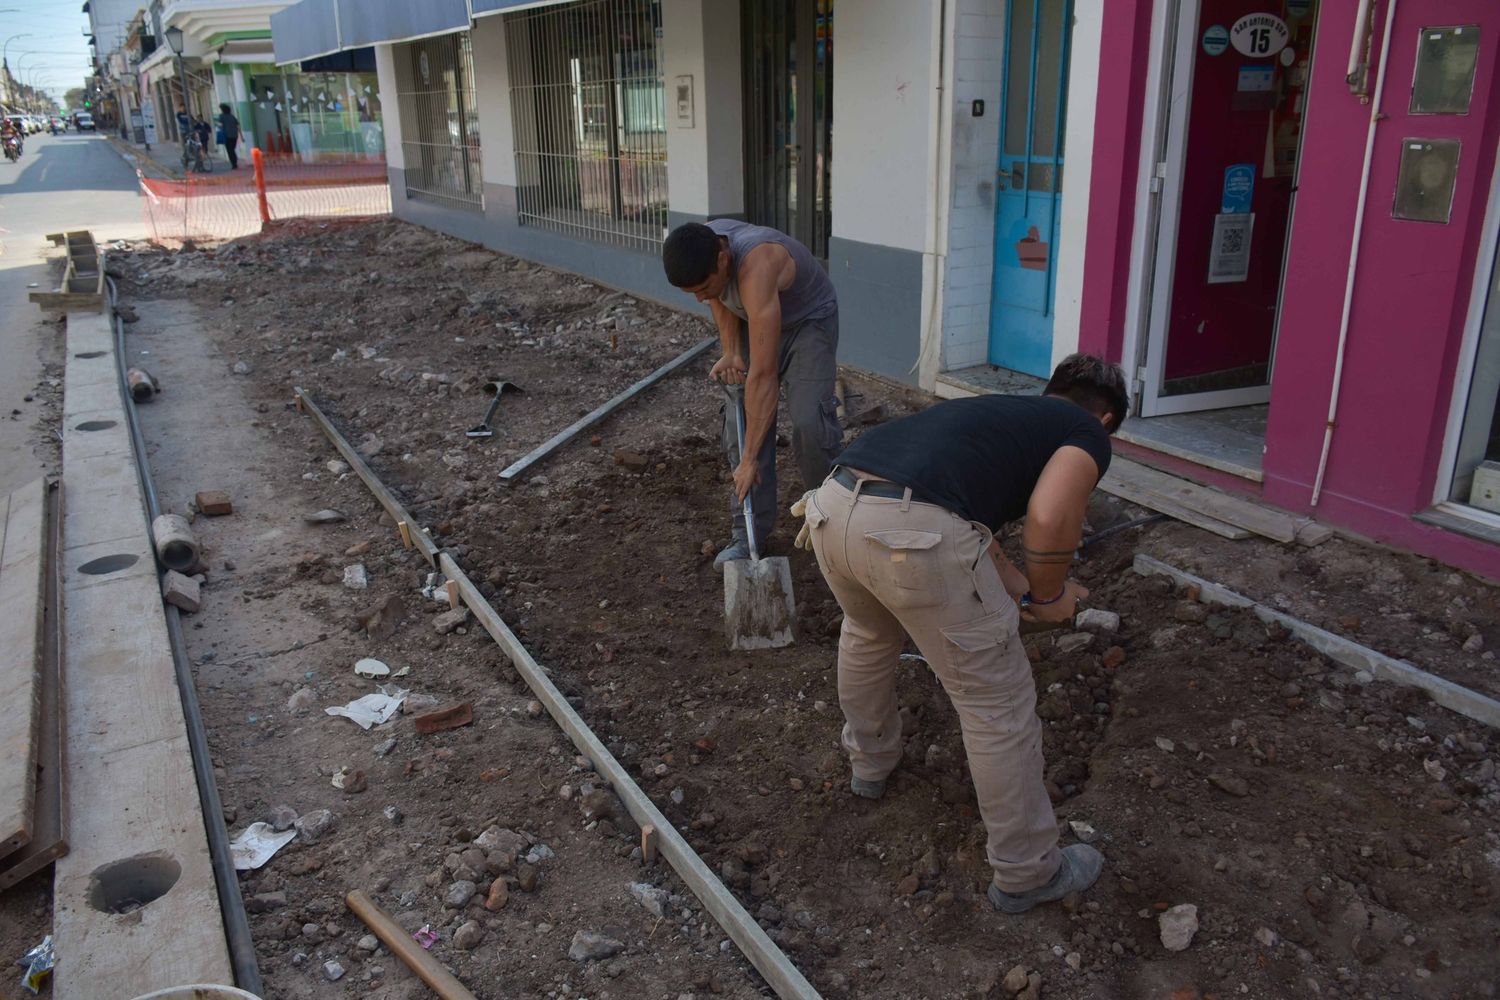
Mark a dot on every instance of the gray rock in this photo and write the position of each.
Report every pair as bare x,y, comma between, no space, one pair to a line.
1074,641
459,894
385,746
314,826
356,577
1015,980
1266,937
653,899
1238,787
303,699
333,971
281,818
370,446
468,936
1190,611
450,620
393,815
337,467
265,902
1178,925
1105,621
240,368
326,516
1473,643
540,853
588,946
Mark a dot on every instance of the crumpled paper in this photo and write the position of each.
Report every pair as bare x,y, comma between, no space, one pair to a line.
257,844
372,709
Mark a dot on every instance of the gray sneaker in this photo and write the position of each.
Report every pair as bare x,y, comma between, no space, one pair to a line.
1080,869
739,548
867,789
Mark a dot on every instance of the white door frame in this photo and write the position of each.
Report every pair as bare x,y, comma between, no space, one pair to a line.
1485,265
1160,256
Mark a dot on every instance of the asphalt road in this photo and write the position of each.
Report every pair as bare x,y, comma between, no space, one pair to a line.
70,181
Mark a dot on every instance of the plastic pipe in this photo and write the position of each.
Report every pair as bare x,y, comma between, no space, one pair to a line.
1359,228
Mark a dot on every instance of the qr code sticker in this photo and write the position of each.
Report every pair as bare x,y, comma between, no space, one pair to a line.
1232,240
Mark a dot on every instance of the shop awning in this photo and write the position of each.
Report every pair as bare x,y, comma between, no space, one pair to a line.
314,28
482,7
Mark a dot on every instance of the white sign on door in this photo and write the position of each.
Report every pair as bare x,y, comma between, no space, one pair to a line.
1259,35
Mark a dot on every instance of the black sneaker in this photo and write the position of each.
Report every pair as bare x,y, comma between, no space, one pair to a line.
1080,868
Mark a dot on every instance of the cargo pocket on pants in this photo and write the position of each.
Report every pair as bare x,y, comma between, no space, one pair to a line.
833,432
976,650
906,568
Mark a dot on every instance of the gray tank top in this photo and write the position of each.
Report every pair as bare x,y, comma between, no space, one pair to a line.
809,296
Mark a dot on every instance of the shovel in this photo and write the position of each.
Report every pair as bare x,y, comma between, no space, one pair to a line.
758,604
497,389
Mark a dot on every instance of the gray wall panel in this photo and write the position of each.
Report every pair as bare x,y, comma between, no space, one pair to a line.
880,306
305,30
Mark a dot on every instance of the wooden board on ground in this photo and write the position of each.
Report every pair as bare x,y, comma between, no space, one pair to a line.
1204,501
1120,481
49,834
22,559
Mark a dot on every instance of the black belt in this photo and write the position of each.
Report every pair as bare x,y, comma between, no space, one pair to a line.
871,488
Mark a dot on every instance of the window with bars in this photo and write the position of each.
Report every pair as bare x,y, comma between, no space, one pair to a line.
440,121
590,122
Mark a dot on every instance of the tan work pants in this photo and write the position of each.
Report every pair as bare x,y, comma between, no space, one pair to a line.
899,565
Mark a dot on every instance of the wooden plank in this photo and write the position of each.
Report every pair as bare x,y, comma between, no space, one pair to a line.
1479,707
21,578
1116,483
1220,506
49,835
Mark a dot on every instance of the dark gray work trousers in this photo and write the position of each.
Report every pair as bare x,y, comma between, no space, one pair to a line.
807,370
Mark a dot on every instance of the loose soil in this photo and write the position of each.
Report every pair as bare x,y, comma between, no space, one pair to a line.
1338,836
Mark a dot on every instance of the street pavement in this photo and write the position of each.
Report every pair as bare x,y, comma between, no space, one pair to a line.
70,181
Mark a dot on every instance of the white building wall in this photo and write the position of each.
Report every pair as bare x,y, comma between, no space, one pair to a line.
385,75
705,159
884,77
492,85
1072,235
978,71
108,20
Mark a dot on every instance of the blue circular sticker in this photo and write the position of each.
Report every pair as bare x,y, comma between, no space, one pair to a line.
1215,39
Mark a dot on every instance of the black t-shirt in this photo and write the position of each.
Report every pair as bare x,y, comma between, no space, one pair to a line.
978,457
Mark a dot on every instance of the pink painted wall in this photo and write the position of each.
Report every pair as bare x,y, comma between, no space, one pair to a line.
1112,188
1412,289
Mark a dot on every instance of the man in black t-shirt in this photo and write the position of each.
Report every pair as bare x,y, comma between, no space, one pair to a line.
904,531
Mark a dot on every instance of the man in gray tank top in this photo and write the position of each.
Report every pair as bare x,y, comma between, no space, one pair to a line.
778,322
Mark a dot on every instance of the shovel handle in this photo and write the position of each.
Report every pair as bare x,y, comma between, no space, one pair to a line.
736,394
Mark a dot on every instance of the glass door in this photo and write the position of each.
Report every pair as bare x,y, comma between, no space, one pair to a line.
1237,99
788,93
1476,475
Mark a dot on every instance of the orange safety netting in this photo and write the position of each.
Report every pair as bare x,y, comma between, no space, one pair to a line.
226,204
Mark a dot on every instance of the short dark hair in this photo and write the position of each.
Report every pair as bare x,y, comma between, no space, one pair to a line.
690,254
224,108
1092,383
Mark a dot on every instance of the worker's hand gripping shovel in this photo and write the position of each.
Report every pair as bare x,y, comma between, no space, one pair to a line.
759,608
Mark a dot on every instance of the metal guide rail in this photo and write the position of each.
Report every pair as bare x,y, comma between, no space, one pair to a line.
769,961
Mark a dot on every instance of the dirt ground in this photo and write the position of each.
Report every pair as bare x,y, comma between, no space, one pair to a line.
1338,837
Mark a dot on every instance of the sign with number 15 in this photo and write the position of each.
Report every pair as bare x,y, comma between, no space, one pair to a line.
1259,35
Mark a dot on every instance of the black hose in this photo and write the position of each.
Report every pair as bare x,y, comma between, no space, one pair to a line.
226,878
1101,535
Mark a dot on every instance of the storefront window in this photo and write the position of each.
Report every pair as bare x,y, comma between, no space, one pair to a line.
1476,480
316,114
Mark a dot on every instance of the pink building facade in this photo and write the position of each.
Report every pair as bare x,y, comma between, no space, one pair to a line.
1223,226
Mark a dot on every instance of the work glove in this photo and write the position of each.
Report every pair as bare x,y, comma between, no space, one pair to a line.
804,535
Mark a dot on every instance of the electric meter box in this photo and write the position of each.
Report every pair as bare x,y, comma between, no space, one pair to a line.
1485,493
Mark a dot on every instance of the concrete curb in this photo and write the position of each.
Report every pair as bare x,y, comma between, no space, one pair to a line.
1456,697
142,160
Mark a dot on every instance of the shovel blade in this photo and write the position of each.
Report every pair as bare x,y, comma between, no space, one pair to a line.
759,608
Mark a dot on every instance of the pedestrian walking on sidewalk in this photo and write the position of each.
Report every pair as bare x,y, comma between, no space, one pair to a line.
229,135
778,320
904,531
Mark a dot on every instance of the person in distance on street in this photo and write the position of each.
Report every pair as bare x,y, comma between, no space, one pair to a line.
778,320
904,531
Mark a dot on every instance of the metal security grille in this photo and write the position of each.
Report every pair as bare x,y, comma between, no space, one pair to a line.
440,121
590,123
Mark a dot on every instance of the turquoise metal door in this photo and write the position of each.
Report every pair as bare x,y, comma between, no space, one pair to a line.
1033,109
